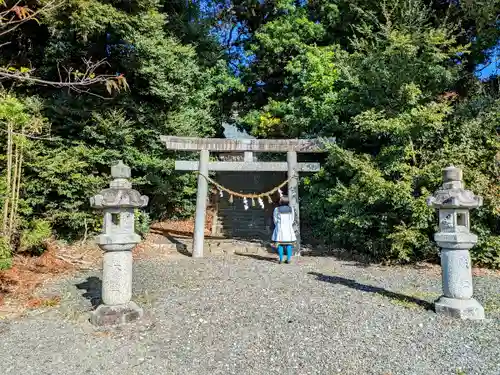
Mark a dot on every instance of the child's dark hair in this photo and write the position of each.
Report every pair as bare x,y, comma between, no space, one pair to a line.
284,200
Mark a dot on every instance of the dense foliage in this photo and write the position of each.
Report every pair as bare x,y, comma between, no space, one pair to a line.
393,81
170,90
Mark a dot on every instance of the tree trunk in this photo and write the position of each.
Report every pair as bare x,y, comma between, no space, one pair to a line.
12,218
8,182
18,185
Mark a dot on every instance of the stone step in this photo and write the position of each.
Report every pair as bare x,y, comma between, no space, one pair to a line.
249,231
249,212
254,219
231,247
226,219
214,246
258,223
241,213
243,226
241,217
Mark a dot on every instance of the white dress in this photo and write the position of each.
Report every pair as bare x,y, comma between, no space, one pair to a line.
283,221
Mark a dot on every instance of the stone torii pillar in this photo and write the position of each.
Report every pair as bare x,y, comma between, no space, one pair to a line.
201,205
293,194
248,147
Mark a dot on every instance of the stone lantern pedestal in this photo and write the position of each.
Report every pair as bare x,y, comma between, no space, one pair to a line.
117,240
455,239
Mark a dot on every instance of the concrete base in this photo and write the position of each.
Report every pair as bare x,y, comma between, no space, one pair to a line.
459,308
106,315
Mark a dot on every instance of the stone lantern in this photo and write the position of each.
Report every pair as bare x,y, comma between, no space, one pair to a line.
453,203
117,240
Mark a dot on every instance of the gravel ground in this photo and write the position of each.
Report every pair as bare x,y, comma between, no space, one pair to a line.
247,315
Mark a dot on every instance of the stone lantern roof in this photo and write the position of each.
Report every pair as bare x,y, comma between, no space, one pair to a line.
120,192
452,193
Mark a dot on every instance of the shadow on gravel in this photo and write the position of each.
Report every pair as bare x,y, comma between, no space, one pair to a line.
373,289
256,256
360,260
180,247
92,287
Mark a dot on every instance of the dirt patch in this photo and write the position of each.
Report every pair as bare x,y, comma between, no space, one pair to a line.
182,227
485,272
18,284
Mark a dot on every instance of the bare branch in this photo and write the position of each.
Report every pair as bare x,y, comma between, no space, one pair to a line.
75,79
22,15
230,37
32,136
88,92
23,77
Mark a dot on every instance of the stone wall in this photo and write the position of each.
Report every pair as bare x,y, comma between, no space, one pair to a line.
233,220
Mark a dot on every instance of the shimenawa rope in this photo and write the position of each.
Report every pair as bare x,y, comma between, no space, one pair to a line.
248,196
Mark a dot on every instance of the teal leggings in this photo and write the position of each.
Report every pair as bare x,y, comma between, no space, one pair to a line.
288,252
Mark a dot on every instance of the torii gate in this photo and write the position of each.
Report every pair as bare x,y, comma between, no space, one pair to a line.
247,146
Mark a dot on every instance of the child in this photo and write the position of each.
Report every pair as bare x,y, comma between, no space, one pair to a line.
284,235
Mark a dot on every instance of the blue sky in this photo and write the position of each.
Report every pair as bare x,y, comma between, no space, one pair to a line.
492,67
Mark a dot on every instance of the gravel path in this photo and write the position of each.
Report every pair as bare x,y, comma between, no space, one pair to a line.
245,315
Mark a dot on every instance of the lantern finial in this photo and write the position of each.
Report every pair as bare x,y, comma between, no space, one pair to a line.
120,170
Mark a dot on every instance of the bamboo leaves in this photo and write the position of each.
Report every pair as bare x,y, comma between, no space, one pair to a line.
19,123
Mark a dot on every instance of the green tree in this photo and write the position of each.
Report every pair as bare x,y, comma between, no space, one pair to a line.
159,82
389,84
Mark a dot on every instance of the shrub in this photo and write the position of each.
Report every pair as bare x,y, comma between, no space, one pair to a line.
5,254
142,222
33,238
